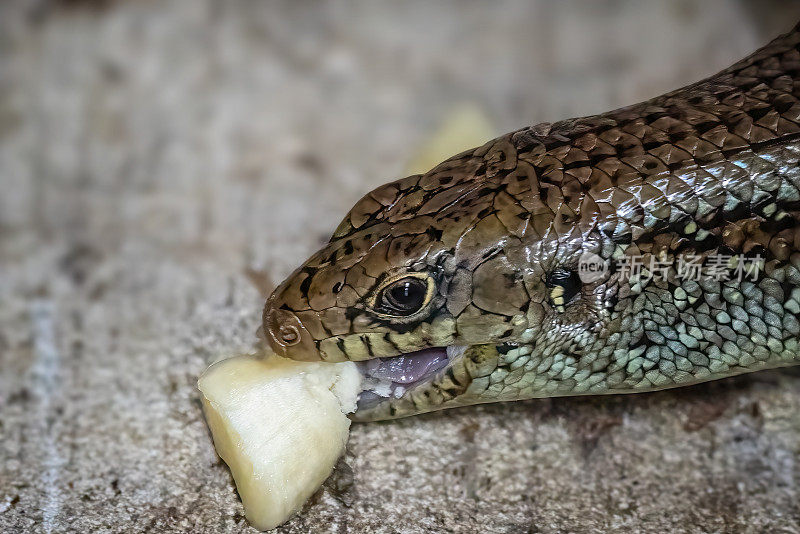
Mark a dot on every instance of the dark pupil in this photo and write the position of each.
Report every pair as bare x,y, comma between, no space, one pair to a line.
569,280
405,296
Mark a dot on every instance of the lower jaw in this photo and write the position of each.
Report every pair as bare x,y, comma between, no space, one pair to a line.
390,382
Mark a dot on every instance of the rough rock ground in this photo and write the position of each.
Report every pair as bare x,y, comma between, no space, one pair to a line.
161,164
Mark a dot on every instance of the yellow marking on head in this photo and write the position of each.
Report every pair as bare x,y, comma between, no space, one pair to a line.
557,297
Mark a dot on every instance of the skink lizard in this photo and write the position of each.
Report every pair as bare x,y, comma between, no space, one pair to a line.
508,271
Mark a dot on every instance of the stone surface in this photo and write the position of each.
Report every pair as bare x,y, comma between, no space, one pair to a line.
162,164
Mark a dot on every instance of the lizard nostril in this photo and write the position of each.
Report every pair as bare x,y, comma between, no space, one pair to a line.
286,334
289,334
283,328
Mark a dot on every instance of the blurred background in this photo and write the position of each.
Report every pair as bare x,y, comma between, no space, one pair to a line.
164,164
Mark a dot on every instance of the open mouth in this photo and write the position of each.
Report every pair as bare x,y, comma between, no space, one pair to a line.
387,378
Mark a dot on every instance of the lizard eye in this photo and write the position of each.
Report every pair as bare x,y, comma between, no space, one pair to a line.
405,296
564,286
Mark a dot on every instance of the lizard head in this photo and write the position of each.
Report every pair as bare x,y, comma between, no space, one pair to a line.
446,288
463,285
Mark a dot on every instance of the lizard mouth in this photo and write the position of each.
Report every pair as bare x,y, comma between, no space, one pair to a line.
392,378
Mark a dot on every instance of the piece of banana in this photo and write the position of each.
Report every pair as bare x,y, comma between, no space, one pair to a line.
280,425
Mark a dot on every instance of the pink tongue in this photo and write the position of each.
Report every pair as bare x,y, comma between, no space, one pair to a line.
409,367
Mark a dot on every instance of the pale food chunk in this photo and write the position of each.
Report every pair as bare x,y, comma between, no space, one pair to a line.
280,425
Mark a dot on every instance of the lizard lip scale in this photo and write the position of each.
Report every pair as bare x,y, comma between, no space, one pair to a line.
393,377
